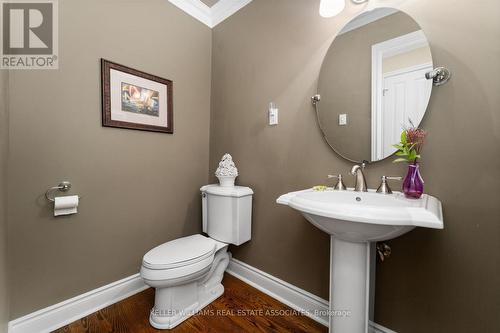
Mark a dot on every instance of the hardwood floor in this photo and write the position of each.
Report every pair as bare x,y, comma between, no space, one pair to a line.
242,308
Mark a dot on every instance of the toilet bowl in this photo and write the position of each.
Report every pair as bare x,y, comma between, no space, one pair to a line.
187,272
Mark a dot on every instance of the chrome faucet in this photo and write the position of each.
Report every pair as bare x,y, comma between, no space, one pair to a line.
357,171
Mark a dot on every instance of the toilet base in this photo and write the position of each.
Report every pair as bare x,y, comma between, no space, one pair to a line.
168,322
176,303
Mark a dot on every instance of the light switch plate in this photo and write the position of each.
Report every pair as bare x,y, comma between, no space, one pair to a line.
273,116
342,119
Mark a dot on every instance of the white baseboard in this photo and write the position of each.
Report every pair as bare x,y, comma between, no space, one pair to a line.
298,299
58,315
61,314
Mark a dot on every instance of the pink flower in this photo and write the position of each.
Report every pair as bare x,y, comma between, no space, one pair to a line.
416,138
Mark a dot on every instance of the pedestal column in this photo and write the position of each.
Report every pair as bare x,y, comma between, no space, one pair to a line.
349,286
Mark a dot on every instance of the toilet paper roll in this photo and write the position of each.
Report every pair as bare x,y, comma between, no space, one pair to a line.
65,205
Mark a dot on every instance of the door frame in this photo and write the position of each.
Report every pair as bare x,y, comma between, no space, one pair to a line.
407,70
394,74
385,49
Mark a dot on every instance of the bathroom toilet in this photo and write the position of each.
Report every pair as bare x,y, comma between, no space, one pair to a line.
187,272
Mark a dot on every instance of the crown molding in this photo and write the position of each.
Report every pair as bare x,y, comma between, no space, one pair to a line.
196,9
225,8
210,16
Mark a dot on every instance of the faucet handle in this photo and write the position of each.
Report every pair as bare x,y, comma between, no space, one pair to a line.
340,184
384,187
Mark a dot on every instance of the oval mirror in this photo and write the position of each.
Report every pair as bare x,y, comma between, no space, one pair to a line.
372,84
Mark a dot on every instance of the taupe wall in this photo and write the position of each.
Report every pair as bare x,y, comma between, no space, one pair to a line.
4,137
138,189
435,281
345,84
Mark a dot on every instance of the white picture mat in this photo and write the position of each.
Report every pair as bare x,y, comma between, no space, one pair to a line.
116,79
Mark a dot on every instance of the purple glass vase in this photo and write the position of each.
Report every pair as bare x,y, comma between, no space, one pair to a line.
413,185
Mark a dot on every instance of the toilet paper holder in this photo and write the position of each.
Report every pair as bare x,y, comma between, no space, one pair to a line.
64,186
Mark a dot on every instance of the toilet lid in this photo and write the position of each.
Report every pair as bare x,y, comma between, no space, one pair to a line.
180,252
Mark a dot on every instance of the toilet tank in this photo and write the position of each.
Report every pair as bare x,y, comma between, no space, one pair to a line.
227,213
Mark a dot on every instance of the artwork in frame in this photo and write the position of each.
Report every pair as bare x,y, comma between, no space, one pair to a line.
135,100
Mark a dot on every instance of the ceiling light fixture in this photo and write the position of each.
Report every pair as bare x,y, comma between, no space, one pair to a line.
331,8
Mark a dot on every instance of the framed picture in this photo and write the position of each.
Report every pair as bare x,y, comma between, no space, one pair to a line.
135,100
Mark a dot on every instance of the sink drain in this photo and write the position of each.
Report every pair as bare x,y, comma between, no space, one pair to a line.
358,199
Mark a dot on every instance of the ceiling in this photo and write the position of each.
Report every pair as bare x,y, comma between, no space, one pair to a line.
210,12
209,3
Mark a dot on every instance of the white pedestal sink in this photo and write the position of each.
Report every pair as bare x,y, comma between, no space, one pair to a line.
353,220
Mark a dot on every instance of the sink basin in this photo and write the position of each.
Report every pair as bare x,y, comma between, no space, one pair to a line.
354,220
365,216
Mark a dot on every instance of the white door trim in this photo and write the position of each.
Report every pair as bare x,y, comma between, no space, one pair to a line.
407,70
388,48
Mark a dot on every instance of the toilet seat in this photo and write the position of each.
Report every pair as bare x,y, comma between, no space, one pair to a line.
180,252
179,258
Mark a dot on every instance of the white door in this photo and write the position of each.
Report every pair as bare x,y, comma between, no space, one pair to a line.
405,96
